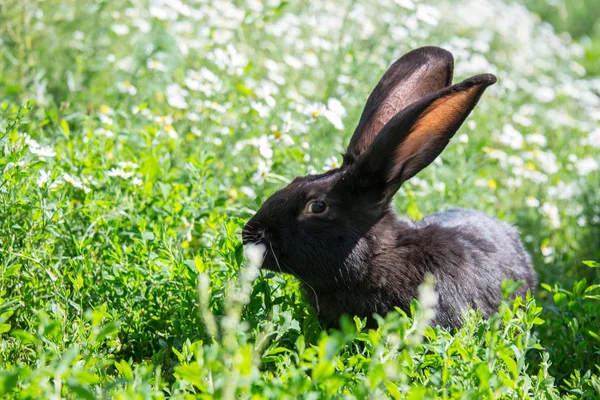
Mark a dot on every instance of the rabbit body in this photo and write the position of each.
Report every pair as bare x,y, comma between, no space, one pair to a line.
468,253
340,235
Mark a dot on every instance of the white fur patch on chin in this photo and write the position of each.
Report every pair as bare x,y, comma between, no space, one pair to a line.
255,253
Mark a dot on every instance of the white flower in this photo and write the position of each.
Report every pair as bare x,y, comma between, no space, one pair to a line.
260,108
574,210
43,152
586,165
536,138
248,191
463,138
156,65
510,137
136,181
532,175
514,182
164,120
546,250
120,173
547,159
280,137
37,149
532,202
192,116
263,145
104,109
104,132
408,4
261,172
171,132
544,94
120,29
334,113
292,61
428,14
496,154
126,87
43,179
479,182
551,211
78,35
127,164
76,183
593,139
176,96
331,163
564,191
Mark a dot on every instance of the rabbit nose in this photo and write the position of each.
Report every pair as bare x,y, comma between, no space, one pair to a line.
251,236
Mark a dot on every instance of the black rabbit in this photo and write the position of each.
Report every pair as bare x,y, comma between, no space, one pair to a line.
339,234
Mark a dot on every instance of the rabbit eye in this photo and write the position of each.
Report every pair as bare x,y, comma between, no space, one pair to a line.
317,207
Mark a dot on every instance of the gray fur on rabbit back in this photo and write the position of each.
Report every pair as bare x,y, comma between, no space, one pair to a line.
468,253
339,234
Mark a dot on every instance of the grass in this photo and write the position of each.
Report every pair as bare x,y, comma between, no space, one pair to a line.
136,141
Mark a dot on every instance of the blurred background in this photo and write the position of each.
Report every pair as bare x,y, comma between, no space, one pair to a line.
137,138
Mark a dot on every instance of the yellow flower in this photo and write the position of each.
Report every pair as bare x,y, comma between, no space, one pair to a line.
315,113
492,184
530,166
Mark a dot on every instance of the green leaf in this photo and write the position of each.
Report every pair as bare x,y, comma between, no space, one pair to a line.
546,286
24,336
8,381
413,210
65,127
124,370
199,263
511,365
323,370
594,335
193,374
86,378
109,329
393,390
81,391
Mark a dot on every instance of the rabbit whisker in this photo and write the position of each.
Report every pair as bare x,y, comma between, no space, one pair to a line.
306,283
297,276
275,257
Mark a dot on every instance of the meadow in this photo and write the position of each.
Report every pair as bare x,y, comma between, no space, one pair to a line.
138,137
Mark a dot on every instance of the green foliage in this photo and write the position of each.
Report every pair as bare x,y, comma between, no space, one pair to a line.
576,16
136,139
572,332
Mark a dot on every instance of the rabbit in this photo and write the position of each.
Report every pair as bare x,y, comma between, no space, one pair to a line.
339,234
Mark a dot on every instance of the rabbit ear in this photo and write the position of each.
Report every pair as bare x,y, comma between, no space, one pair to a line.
412,77
417,135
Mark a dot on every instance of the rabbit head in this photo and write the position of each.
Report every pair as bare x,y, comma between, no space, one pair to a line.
320,227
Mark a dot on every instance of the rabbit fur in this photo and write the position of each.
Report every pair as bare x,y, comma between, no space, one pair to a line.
339,234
